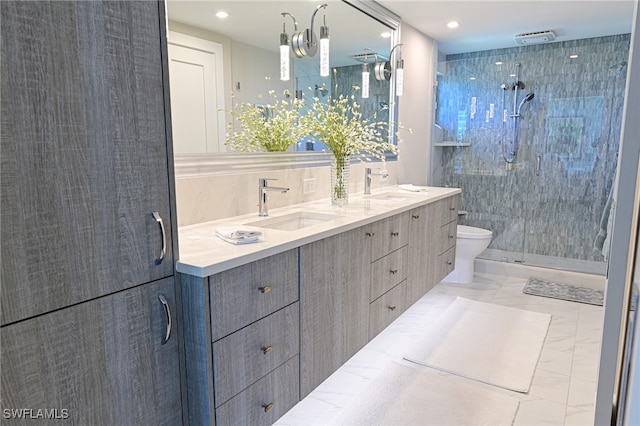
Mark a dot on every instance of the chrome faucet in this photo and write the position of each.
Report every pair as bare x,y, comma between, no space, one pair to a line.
262,193
367,179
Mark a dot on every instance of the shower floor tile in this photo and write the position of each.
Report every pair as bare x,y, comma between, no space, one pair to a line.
563,387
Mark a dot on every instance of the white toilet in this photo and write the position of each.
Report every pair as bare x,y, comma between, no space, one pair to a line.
470,243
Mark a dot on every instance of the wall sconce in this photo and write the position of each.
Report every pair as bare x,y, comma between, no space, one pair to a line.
305,43
365,81
284,48
365,72
383,71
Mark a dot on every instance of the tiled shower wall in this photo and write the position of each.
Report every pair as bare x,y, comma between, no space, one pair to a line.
552,201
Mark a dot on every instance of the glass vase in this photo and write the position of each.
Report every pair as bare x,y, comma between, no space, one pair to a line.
340,166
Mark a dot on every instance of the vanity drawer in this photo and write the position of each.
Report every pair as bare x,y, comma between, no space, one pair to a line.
449,209
448,235
388,235
249,292
446,263
266,400
387,272
249,354
384,310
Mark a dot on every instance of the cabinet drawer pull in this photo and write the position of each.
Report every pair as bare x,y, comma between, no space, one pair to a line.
449,262
167,313
395,234
392,308
371,234
266,350
393,271
265,289
415,216
163,251
452,208
267,407
450,237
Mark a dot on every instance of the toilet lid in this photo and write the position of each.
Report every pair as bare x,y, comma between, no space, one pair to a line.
473,233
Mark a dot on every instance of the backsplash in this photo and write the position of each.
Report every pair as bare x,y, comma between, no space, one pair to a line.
205,198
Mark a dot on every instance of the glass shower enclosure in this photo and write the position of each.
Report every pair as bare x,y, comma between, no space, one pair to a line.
531,136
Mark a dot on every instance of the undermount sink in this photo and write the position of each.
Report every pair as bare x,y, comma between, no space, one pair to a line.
389,196
293,221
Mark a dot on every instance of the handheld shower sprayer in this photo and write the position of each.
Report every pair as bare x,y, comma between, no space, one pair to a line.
524,100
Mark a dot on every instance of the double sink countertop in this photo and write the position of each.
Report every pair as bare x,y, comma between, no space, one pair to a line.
202,253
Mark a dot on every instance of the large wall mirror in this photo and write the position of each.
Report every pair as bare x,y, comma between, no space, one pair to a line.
215,63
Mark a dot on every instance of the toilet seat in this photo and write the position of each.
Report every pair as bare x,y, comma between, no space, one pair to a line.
473,233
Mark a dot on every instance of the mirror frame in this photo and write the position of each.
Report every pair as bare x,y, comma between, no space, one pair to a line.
189,165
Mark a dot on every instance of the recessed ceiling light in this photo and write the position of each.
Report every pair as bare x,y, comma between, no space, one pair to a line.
472,78
222,14
573,56
498,62
453,24
385,34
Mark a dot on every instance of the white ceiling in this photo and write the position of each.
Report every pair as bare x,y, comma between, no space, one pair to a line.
484,24
492,24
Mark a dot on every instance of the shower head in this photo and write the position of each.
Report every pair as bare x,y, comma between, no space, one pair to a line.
524,100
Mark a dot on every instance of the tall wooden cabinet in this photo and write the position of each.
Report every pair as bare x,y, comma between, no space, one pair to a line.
87,224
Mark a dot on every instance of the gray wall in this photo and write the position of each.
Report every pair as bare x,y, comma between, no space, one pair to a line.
572,125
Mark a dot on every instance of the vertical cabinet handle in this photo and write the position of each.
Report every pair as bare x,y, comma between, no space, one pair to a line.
167,314
158,219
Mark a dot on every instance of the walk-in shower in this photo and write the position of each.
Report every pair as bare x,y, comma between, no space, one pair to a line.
560,144
510,142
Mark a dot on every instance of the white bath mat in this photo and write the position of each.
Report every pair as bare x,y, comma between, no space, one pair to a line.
411,395
489,343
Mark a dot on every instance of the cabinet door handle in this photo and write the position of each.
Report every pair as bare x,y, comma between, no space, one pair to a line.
266,349
393,271
395,234
449,262
267,407
450,237
167,313
452,208
371,234
415,216
392,308
158,219
265,289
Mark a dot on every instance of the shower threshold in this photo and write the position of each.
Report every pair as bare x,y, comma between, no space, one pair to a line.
551,262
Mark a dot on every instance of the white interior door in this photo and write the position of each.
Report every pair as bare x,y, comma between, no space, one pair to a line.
197,94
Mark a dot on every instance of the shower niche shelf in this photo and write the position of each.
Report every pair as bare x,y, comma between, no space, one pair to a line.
451,143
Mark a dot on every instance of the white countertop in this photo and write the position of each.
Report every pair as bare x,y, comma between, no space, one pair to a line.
202,253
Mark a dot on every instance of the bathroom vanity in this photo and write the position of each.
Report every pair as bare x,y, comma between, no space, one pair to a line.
266,323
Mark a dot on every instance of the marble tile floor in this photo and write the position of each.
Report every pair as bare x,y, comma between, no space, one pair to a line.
564,384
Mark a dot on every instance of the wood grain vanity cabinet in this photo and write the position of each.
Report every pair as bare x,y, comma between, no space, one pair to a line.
424,234
88,217
334,303
249,359
388,283
447,212
242,336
